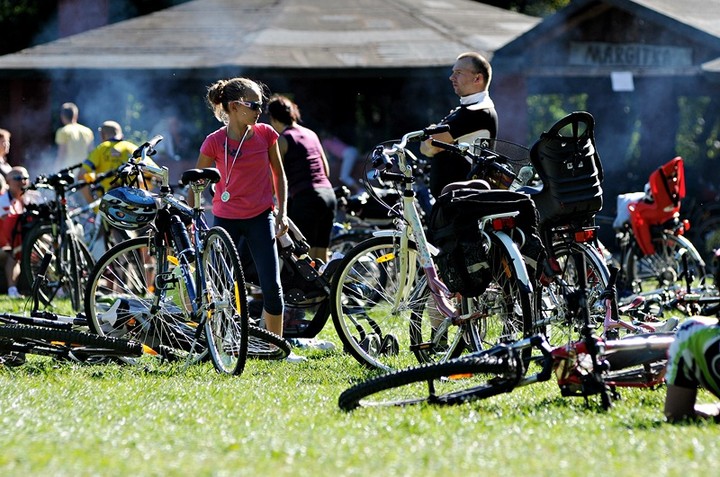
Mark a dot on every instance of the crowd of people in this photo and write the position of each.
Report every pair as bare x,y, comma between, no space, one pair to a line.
278,171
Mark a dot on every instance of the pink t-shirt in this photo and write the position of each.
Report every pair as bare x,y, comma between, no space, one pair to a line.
250,180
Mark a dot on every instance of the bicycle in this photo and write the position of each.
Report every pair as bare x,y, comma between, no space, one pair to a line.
388,304
56,232
566,237
49,334
585,367
99,236
179,296
652,238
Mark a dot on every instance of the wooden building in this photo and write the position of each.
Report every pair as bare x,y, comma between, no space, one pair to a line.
646,69
366,70
369,70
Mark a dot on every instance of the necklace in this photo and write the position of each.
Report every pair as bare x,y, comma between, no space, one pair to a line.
225,196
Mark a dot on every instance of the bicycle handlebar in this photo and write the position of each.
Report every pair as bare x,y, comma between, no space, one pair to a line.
421,135
134,167
147,148
381,154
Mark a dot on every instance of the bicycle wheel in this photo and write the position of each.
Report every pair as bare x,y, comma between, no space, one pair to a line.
664,268
135,292
67,273
79,262
372,305
36,243
503,312
342,243
225,301
56,342
553,317
264,344
469,378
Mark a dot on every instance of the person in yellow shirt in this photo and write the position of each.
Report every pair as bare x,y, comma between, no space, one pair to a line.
110,154
74,140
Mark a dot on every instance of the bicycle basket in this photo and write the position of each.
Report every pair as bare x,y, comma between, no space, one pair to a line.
510,158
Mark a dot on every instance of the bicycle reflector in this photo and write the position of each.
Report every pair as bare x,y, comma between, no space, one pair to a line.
503,223
585,235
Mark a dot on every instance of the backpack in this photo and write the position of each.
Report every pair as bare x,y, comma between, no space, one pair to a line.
570,169
463,262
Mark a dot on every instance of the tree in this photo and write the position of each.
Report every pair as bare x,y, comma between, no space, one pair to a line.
26,23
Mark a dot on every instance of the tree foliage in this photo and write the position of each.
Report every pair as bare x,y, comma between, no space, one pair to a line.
25,23
21,21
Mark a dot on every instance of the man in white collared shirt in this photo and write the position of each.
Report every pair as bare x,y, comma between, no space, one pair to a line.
474,118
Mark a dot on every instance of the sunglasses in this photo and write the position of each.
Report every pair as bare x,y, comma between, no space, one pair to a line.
253,105
20,178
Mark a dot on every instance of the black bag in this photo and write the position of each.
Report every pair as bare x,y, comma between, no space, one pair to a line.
570,169
463,263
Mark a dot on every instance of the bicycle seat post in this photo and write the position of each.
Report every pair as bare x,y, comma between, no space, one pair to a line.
198,187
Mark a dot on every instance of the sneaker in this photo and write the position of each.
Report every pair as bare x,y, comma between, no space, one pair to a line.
294,358
312,343
13,292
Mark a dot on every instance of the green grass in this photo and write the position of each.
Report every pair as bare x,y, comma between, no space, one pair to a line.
282,419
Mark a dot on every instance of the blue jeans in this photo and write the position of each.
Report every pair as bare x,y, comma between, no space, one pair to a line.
259,235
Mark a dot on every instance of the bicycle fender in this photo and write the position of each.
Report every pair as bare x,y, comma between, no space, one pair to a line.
387,233
517,260
691,248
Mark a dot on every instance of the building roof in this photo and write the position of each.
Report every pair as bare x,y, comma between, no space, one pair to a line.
698,20
206,34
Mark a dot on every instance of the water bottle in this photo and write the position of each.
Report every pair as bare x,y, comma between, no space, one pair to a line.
284,240
181,239
524,176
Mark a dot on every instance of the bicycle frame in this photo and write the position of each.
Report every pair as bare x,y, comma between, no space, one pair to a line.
572,366
410,217
194,281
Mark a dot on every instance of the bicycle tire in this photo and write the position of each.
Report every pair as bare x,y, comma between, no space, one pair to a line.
343,243
225,299
67,272
79,263
553,318
373,330
56,339
649,273
505,307
266,345
122,300
468,378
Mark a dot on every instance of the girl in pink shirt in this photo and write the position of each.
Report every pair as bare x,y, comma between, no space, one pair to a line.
252,189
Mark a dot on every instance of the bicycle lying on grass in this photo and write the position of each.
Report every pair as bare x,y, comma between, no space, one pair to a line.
586,367
50,334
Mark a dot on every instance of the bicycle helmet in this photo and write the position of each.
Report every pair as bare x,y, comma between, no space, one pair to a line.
128,208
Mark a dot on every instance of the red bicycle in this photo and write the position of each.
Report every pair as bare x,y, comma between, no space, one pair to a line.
586,367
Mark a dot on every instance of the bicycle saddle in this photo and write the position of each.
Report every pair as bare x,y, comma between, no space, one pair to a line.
193,175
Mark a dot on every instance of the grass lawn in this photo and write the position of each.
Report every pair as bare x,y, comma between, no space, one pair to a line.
282,419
